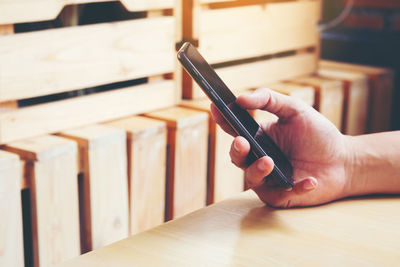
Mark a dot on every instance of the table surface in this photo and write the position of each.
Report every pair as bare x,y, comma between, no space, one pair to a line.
244,232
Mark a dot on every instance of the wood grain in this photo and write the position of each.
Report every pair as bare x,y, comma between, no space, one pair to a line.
11,236
356,93
52,171
242,231
329,97
58,60
381,81
187,159
224,179
254,28
61,115
17,11
103,159
147,151
260,73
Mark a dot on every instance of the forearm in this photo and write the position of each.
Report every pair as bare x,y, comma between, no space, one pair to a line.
374,163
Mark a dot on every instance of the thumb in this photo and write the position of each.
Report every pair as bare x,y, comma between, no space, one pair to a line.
265,99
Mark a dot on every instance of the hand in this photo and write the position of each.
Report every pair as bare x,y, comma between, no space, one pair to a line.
319,153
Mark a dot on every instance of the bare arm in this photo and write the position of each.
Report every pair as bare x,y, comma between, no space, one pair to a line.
374,165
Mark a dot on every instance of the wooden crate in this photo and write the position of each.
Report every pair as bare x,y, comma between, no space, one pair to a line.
381,82
224,179
329,96
18,11
356,97
252,42
50,170
187,159
103,184
139,52
11,238
147,152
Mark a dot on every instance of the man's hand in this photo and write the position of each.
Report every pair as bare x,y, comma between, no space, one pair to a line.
319,153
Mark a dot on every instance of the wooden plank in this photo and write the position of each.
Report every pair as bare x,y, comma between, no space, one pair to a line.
147,151
356,93
18,11
103,159
381,85
187,159
53,61
52,171
260,73
245,32
6,30
329,97
11,240
224,179
243,231
84,110
302,92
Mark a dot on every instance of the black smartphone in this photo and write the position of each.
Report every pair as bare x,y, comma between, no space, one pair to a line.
239,119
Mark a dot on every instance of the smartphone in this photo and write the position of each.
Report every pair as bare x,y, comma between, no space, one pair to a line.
239,119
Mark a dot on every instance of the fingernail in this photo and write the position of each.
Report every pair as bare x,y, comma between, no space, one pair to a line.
310,184
236,147
289,189
261,165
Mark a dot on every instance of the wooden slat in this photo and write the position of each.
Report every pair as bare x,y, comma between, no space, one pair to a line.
147,151
329,97
250,31
52,171
224,179
356,99
80,111
243,231
187,159
6,30
102,153
381,84
58,60
17,11
260,73
11,243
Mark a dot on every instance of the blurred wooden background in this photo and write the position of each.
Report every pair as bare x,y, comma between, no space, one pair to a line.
103,135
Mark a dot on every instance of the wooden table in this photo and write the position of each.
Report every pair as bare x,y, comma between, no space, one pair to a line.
244,232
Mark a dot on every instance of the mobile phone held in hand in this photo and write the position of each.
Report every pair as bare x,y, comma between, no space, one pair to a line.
239,119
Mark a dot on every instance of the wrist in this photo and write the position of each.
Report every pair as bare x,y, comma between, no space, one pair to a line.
372,164
355,181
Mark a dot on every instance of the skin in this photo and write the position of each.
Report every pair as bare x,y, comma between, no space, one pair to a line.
327,164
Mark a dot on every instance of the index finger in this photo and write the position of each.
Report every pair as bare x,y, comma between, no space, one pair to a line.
265,99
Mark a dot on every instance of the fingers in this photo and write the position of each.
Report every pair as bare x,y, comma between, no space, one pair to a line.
219,119
281,105
240,148
256,172
281,198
